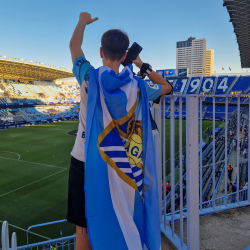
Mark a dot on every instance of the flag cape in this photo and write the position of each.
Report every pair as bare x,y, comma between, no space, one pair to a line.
121,198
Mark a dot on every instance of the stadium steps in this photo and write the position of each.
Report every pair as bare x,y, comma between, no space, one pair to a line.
3,101
25,85
215,85
232,85
204,111
247,92
198,89
66,88
221,189
230,88
232,160
46,94
217,155
187,86
5,85
18,118
220,158
52,90
21,113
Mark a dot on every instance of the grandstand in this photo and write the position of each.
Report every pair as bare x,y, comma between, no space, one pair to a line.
30,94
27,101
15,96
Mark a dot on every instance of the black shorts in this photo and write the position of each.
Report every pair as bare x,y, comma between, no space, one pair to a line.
76,195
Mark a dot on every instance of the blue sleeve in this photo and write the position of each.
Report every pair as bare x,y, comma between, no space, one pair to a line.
154,90
82,69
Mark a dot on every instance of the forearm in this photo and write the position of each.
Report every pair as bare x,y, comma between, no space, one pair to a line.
77,37
156,78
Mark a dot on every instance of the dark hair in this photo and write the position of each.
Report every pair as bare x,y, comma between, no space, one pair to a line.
114,44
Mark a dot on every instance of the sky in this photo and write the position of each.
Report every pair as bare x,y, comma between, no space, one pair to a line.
41,30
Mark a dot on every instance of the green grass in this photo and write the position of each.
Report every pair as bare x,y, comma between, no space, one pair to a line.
34,189
35,193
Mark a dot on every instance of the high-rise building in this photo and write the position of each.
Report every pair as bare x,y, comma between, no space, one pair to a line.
209,62
191,54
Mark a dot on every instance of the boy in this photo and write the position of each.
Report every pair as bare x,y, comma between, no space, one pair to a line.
113,52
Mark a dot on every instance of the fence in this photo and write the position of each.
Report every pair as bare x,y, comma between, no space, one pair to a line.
41,225
194,173
63,243
194,165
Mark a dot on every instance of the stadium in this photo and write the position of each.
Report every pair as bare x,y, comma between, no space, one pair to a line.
203,123
47,113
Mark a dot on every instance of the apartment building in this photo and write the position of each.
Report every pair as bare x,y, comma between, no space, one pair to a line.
192,54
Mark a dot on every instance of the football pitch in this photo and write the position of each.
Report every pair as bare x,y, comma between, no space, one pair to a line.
34,164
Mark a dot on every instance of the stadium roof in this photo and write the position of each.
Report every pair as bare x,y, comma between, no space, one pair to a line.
30,72
239,12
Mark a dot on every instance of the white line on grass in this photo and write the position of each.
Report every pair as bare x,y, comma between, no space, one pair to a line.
22,229
32,162
32,183
12,153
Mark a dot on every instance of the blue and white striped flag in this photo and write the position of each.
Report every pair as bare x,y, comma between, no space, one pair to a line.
120,176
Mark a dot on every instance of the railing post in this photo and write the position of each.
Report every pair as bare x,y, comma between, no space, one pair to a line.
192,169
5,236
14,242
238,150
158,156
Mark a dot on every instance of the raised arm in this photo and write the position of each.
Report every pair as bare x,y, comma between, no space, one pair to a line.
77,37
156,78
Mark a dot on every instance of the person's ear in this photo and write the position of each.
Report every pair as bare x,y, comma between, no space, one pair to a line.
101,52
124,57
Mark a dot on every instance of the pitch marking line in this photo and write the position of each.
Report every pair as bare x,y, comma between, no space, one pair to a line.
29,231
32,183
12,153
33,163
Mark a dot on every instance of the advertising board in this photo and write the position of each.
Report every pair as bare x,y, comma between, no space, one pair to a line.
183,72
170,72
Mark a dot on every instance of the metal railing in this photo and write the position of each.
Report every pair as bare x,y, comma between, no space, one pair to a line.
194,165
194,169
63,243
40,225
5,237
220,201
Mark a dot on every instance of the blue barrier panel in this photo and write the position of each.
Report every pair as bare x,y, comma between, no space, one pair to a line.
60,242
42,224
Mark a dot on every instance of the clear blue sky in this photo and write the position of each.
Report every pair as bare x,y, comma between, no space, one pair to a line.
41,30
